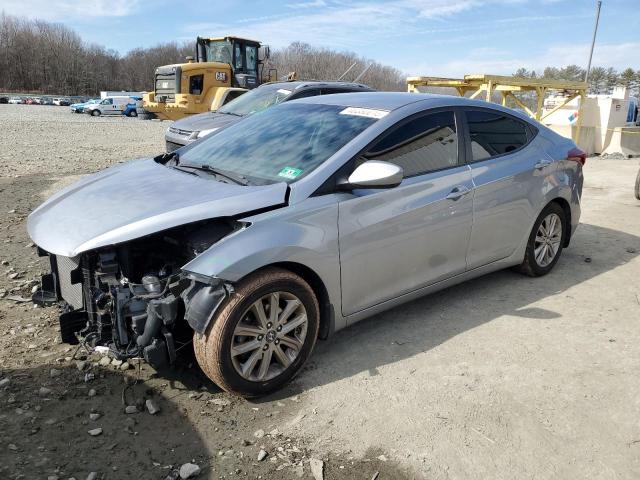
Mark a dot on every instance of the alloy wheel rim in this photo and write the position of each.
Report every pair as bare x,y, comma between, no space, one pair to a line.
269,336
547,241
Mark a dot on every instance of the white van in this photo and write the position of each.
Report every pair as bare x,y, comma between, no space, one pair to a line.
108,106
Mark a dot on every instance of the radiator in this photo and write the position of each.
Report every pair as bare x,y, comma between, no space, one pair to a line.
70,293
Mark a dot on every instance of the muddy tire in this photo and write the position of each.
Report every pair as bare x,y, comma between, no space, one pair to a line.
545,241
262,335
637,189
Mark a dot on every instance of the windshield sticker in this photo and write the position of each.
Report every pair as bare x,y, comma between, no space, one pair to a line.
283,91
364,112
290,172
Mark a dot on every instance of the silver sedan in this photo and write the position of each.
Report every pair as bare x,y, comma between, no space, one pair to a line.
299,221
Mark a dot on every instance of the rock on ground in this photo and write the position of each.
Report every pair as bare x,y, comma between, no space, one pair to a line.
317,468
189,470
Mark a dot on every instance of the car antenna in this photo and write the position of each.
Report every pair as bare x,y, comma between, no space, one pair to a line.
346,71
362,73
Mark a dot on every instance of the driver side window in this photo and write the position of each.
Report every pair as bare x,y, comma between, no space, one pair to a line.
422,145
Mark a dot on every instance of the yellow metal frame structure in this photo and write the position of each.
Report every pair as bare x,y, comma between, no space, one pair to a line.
507,87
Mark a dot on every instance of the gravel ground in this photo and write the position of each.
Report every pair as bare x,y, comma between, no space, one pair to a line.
37,137
501,377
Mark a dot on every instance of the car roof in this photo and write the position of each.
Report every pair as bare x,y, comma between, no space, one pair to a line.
393,100
300,84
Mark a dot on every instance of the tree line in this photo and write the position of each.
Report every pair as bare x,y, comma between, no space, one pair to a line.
601,80
50,58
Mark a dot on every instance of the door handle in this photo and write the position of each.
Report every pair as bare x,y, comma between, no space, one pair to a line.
458,192
541,164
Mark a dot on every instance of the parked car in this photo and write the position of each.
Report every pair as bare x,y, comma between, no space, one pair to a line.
300,220
133,107
4,99
29,101
79,107
16,100
108,106
64,102
47,101
189,129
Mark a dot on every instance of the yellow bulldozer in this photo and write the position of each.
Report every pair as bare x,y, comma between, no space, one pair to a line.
223,69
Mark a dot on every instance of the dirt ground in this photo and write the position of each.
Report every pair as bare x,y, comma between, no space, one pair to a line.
501,377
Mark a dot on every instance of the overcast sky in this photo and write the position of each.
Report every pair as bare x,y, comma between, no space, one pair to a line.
426,37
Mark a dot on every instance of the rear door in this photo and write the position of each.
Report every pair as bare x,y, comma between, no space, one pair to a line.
507,176
397,240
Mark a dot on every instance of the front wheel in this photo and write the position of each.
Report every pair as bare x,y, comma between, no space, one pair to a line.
133,113
95,113
545,242
262,335
637,190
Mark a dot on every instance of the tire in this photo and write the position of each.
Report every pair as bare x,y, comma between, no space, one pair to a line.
95,113
147,116
213,350
133,113
637,189
533,266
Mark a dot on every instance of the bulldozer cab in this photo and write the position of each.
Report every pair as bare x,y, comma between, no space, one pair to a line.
239,53
225,67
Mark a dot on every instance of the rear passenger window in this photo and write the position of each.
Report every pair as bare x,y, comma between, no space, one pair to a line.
494,134
331,91
422,145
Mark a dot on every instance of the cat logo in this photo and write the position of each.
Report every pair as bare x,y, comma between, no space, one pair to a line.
221,76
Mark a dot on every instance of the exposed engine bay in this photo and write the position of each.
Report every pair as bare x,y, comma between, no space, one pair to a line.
134,298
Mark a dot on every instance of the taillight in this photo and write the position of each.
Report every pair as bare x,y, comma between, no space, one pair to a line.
577,155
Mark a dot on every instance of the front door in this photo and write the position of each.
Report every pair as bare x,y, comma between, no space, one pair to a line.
397,240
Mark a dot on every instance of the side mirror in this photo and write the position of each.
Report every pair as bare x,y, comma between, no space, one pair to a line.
375,174
264,52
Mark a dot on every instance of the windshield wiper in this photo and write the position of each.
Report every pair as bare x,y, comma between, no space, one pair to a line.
239,179
230,113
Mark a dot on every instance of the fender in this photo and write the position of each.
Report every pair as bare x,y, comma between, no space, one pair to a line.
306,234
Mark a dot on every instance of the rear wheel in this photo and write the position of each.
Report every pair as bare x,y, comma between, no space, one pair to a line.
262,335
133,113
637,190
545,242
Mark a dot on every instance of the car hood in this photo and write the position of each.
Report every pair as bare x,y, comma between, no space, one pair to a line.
136,199
205,121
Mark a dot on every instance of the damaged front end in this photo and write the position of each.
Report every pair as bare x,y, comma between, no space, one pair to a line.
134,298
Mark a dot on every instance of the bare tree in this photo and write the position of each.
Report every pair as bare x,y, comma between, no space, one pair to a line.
313,63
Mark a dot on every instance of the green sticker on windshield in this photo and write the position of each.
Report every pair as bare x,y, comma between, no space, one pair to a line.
290,172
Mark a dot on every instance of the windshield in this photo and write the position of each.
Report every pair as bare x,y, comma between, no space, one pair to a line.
256,100
284,143
219,51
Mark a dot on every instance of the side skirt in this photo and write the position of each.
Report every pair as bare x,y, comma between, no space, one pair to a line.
421,292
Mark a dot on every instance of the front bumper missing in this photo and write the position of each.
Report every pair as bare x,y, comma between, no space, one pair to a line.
202,302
